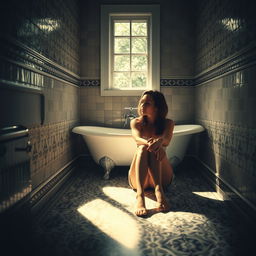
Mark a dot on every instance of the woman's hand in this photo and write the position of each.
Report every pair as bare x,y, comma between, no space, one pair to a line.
154,145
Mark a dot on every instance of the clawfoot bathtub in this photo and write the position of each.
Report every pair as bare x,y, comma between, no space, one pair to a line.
111,147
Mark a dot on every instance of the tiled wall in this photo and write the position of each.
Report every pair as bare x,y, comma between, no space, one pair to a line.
177,61
177,38
226,93
48,27
53,143
223,28
40,55
109,111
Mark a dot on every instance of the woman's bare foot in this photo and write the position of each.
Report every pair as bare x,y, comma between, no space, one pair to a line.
162,204
140,209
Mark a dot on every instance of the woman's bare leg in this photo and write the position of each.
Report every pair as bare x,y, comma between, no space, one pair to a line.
167,172
157,173
137,176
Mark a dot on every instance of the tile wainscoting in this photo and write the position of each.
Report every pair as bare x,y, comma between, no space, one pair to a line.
228,151
53,146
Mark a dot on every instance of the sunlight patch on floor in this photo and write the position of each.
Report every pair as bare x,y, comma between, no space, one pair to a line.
126,197
166,221
175,221
210,195
114,222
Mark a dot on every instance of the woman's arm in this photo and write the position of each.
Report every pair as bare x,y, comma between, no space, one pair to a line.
168,132
164,140
136,132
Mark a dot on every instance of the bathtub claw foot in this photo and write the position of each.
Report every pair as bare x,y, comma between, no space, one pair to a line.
108,164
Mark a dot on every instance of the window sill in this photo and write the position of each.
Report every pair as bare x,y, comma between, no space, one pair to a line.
113,92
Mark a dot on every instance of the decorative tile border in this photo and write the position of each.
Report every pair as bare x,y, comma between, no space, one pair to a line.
163,82
245,58
176,82
23,65
90,82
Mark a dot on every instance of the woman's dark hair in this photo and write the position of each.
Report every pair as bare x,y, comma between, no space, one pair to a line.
162,109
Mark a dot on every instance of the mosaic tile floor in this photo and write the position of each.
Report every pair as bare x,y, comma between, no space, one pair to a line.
93,216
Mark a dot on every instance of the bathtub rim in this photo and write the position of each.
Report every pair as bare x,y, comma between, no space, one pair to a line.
119,132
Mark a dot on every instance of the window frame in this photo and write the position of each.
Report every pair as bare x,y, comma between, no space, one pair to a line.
152,12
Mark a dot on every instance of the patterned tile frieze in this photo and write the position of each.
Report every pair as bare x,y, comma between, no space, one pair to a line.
235,63
163,82
90,82
234,143
23,65
53,145
176,82
12,73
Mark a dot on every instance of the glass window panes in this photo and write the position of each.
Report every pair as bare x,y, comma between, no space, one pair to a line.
121,80
139,63
139,79
139,45
122,45
122,28
130,54
139,28
121,63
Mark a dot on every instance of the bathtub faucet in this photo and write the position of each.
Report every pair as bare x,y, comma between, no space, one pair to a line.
129,116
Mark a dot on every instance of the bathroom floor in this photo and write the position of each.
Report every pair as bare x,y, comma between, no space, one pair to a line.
92,216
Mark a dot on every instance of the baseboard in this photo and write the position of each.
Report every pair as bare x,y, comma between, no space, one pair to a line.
244,208
47,193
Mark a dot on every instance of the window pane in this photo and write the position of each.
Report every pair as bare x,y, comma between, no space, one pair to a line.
122,63
121,79
122,28
122,45
139,63
139,28
139,79
139,45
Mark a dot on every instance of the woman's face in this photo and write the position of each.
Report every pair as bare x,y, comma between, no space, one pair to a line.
147,106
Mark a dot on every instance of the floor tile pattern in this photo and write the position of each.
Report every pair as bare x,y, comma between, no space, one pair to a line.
93,216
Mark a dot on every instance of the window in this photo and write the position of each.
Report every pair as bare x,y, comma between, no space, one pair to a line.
129,49
129,54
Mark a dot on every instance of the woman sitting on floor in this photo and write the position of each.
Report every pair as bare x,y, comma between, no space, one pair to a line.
150,167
